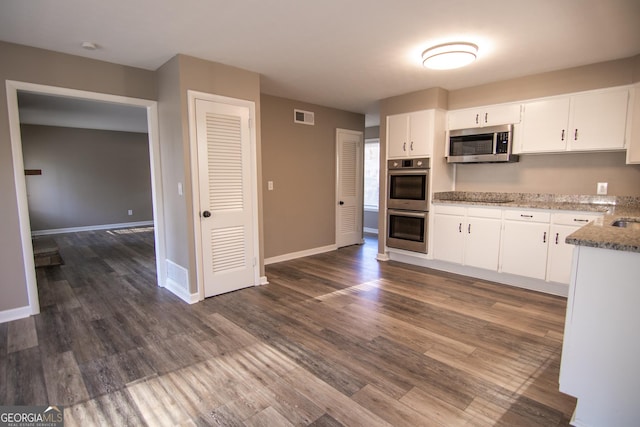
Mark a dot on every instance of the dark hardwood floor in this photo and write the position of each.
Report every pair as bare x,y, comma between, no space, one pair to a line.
334,339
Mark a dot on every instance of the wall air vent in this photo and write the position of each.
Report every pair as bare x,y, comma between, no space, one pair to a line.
303,117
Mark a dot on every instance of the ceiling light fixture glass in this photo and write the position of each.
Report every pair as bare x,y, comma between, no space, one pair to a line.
449,56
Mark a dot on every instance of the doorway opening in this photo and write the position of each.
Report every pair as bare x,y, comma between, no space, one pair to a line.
371,186
149,109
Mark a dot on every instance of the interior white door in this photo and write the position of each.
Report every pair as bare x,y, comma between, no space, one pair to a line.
349,187
226,205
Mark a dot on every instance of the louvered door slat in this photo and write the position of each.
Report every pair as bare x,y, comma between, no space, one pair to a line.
224,152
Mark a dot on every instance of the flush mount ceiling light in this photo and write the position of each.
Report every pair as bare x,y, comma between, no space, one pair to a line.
449,56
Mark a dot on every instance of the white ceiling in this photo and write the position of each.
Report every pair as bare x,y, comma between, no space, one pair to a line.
345,54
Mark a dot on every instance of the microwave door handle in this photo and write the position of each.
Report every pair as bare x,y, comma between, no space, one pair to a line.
495,143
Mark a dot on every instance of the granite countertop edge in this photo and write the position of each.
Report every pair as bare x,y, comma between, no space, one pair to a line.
597,234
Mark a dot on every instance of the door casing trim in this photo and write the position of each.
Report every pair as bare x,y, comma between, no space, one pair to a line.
12,88
192,95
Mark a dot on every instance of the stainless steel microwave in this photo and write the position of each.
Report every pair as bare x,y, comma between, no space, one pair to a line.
491,144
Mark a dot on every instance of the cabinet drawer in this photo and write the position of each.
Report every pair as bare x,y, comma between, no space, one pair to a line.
574,218
449,209
527,215
485,212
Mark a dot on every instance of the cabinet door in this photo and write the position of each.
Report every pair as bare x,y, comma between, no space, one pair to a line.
482,242
421,133
598,121
501,115
397,131
484,116
545,126
463,119
560,254
448,238
524,248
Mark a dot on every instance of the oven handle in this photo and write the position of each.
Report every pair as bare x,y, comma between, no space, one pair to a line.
413,214
408,171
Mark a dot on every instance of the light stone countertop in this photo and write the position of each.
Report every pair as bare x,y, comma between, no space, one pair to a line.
598,234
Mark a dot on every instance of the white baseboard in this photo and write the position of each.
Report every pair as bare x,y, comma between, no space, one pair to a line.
300,254
370,230
15,314
181,293
263,280
91,228
553,288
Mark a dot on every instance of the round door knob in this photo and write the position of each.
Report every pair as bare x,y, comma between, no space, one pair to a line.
206,214
341,203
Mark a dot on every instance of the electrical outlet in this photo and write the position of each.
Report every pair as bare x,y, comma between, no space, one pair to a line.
270,185
602,188
130,212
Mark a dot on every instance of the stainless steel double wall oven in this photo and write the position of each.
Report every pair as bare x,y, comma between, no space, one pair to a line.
408,204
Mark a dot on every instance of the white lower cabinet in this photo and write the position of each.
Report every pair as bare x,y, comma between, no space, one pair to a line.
525,240
448,239
468,236
561,253
482,239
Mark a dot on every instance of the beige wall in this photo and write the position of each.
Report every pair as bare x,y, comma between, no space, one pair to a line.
89,177
176,77
595,76
39,66
299,214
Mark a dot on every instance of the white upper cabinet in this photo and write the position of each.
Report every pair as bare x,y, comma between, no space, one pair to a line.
544,127
633,147
599,120
589,121
492,115
410,135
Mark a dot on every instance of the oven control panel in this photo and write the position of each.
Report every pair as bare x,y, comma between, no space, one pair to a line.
422,163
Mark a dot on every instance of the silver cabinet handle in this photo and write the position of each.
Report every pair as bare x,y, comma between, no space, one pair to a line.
477,115
486,117
460,228
469,229
562,136
580,220
544,237
411,147
575,135
404,146
557,237
526,216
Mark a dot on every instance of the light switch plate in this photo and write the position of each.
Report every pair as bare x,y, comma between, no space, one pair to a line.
270,185
602,188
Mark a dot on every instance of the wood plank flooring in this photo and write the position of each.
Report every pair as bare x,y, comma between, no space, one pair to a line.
334,339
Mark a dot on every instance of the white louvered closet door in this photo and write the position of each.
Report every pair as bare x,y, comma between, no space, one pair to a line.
224,161
349,188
